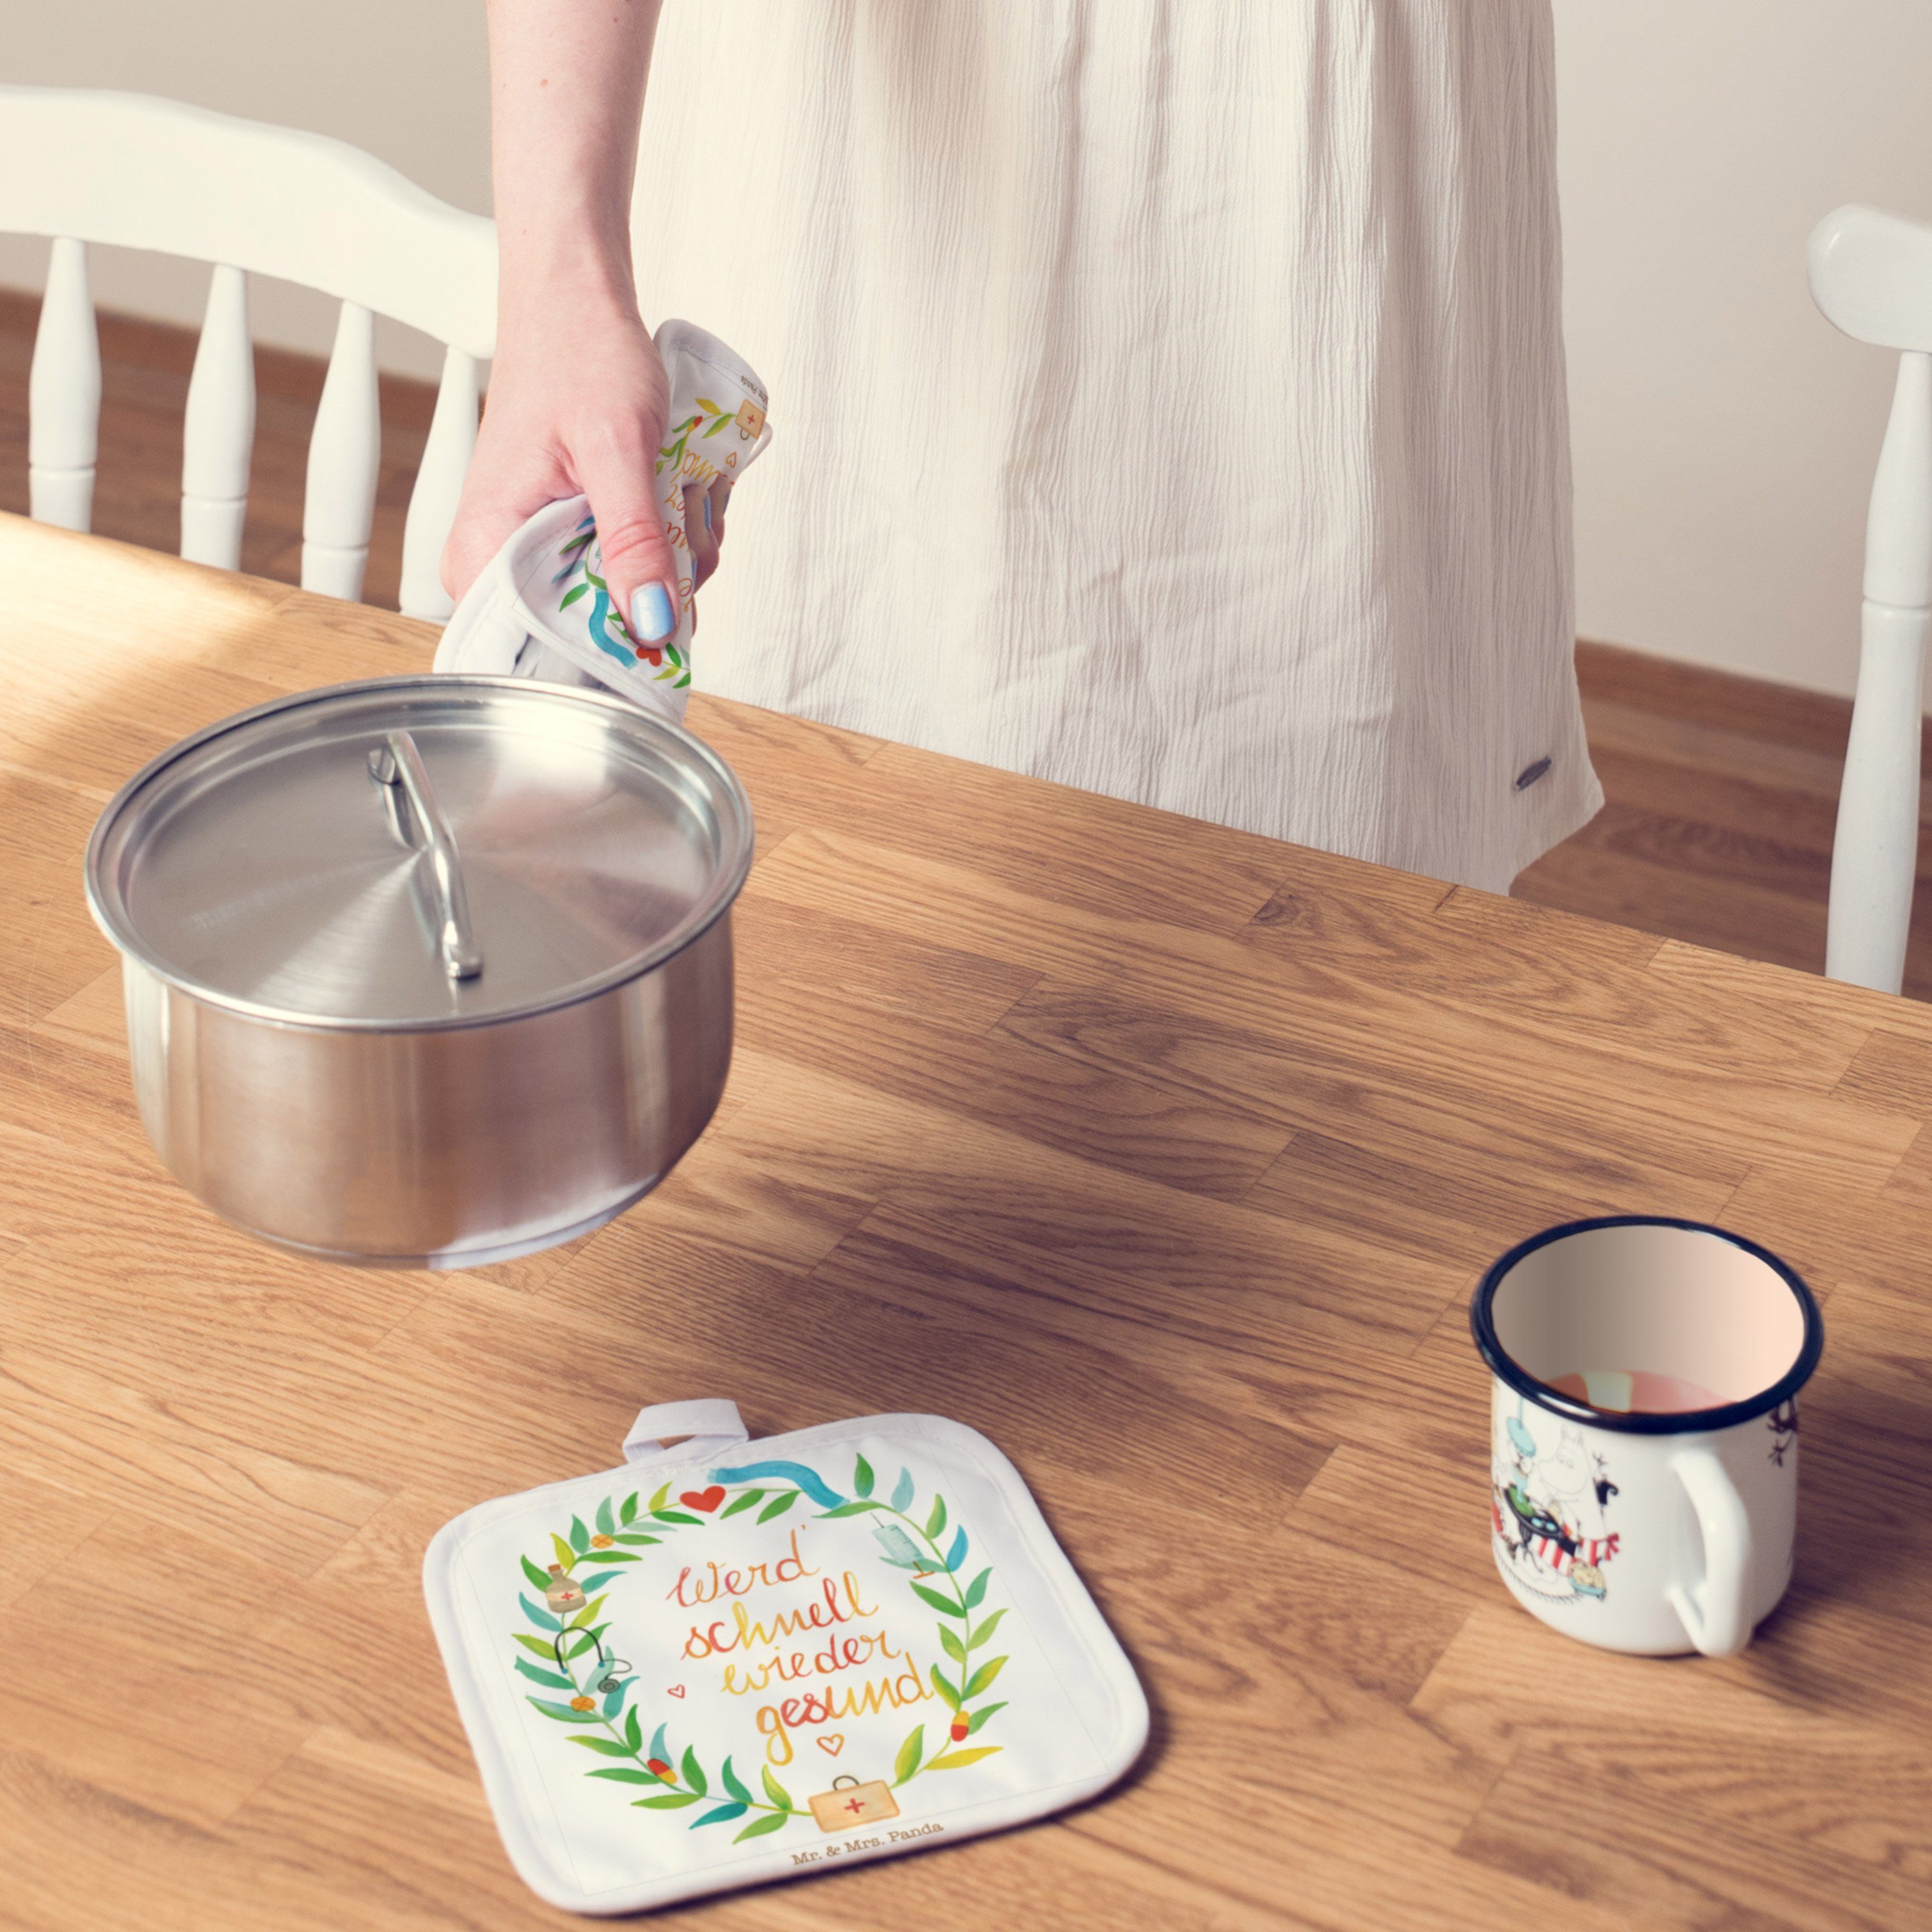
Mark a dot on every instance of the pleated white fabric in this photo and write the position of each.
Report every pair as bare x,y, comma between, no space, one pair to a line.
1173,397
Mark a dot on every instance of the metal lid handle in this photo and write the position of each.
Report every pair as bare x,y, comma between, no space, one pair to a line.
400,763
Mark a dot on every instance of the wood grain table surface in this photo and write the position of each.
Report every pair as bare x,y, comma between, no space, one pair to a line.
1165,1155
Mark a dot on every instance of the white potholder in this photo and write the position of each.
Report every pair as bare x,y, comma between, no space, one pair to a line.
727,1662
541,608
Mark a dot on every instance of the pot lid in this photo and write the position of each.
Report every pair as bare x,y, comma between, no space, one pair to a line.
419,851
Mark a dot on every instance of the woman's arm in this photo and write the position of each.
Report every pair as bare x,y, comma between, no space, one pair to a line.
577,396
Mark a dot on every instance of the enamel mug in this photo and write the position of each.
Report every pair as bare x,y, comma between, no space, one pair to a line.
1644,1374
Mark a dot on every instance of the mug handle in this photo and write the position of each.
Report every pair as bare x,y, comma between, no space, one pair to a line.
1714,1614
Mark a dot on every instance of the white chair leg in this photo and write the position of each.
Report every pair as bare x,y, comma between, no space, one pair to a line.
1875,849
218,432
446,460
344,454
64,395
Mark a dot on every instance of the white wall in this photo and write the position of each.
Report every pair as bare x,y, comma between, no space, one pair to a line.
405,79
1725,434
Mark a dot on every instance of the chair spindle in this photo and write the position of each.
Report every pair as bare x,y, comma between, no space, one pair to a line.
344,454
218,432
64,394
446,459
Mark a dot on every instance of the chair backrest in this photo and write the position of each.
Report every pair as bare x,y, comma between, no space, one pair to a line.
128,170
1871,275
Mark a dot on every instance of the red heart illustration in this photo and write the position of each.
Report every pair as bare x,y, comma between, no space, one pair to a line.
674,1691
706,1500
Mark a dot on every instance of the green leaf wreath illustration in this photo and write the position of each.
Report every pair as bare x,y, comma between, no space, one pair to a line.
566,1656
708,421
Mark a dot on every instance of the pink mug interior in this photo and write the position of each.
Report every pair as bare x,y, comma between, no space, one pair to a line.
1659,1298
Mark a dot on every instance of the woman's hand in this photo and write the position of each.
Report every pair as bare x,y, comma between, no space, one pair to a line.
577,402
577,394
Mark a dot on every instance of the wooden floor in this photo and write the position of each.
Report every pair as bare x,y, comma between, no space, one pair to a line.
1722,793
1721,790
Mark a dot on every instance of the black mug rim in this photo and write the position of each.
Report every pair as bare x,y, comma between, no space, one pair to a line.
1684,1422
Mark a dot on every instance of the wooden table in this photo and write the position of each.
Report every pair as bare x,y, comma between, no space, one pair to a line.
1165,1155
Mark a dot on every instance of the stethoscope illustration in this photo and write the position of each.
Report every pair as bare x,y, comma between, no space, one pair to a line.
609,1674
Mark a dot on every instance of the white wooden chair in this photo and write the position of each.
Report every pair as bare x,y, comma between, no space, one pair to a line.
130,171
1871,274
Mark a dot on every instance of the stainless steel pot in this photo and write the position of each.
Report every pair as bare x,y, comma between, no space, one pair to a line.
426,972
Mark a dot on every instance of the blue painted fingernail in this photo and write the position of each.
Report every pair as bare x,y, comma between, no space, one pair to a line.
707,513
651,616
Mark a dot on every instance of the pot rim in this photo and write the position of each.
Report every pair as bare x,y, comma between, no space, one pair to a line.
715,905
1680,1422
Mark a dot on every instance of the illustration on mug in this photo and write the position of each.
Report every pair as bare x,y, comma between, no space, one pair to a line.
1549,1503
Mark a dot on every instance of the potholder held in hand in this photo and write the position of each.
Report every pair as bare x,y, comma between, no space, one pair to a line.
727,1662
542,609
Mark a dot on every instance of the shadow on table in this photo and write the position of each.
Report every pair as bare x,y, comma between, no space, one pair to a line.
1865,1534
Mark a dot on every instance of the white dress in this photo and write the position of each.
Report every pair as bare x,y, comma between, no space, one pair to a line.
1168,399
